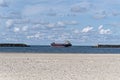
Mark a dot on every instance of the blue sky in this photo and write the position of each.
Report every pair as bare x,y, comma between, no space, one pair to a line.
83,22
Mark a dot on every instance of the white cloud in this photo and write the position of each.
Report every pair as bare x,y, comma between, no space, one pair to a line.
87,29
100,27
29,37
74,23
24,28
12,22
103,31
16,29
37,35
20,29
38,26
51,25
9,23
60,23
57,24
11,39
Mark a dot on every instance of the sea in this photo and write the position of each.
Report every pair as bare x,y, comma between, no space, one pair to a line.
61,50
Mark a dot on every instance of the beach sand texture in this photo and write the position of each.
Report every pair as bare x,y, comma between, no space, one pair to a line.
59,66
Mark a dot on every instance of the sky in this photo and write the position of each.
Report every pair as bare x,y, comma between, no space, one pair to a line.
40,22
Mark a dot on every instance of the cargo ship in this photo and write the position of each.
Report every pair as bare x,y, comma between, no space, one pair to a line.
13,45
66,44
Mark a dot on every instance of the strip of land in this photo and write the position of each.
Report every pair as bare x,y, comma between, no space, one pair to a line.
30,66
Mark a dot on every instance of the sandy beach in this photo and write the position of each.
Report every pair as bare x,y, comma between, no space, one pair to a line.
30,66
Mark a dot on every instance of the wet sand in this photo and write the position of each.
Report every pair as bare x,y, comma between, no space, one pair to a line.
30,66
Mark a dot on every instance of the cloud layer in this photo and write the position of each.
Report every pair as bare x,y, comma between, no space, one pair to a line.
43,21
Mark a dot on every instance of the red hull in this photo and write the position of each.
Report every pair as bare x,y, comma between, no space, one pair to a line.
57,44
60,45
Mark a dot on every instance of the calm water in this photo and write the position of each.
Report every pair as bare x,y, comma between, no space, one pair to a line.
49,49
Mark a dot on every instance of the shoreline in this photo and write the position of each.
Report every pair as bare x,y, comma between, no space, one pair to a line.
30,66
